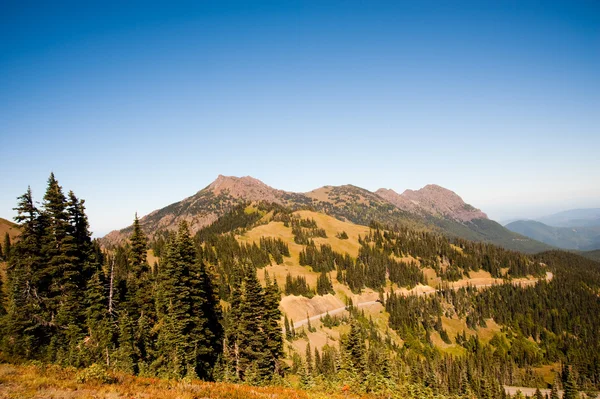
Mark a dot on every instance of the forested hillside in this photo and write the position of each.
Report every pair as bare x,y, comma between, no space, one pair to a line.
267,295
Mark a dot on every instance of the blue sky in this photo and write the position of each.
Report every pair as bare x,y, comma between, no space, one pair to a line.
135,108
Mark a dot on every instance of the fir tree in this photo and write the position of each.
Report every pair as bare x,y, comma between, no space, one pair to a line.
570,386
63,275
189,339
287,328
554,391
98,341
271,323
252,337
309,360
538,394
6,248
139,302
125,357
25,329
207,327
356,346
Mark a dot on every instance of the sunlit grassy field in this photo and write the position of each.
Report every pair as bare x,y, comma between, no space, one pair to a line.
48,381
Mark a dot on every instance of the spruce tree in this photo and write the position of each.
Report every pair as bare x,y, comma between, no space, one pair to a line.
252,337
139,301
554,391
272,323
232,330
2,305
64,276
287,328
99,330
125,357
356,346
538,394
570,386
190,334
25,328
309,360
207,330
6,248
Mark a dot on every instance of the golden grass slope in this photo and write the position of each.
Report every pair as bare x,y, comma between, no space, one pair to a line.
8,227
51,381
299,308
29,382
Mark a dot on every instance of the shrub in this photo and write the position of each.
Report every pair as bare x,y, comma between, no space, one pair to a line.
94,374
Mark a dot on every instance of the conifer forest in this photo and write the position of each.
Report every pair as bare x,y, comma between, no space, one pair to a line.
200,311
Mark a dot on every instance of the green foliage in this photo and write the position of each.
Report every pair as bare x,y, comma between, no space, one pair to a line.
253,339
297,286
276,247
342,236
189,335
324,285
6,247
305,229
89,308
94,374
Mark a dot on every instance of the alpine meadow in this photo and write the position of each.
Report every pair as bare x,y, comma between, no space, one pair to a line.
303,200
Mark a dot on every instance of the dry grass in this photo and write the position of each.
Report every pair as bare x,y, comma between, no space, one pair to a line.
9,227
151,258
297,308
454,326
37,382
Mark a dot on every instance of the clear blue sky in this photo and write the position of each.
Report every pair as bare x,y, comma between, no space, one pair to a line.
135,108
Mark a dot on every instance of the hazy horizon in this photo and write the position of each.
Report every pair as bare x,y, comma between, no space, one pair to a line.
136,108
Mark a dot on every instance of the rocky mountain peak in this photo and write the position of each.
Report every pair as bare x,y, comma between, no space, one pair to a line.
246,187
434,200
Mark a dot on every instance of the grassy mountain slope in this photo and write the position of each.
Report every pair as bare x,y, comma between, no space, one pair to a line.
298,308
8,227
575,238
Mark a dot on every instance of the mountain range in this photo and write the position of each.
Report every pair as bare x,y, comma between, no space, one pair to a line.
575,229
431,208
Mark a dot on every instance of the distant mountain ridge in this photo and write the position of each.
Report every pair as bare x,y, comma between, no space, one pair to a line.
586,217
585,237
430,208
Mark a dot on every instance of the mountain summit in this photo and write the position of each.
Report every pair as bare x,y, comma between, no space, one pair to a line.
247,188
434,200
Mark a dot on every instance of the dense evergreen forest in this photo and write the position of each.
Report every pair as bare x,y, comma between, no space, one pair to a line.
200,311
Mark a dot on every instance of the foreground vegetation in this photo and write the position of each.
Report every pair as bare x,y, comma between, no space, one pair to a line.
201,312
39,381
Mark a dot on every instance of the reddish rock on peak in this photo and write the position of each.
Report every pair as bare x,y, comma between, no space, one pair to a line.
434,200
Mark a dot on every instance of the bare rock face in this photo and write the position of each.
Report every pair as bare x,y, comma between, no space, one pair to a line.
247,188
434,200
397,199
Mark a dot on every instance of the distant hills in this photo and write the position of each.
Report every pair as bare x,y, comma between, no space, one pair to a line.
593,255
432,208
576,229
573,218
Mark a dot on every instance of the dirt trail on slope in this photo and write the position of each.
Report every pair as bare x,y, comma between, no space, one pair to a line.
325,302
